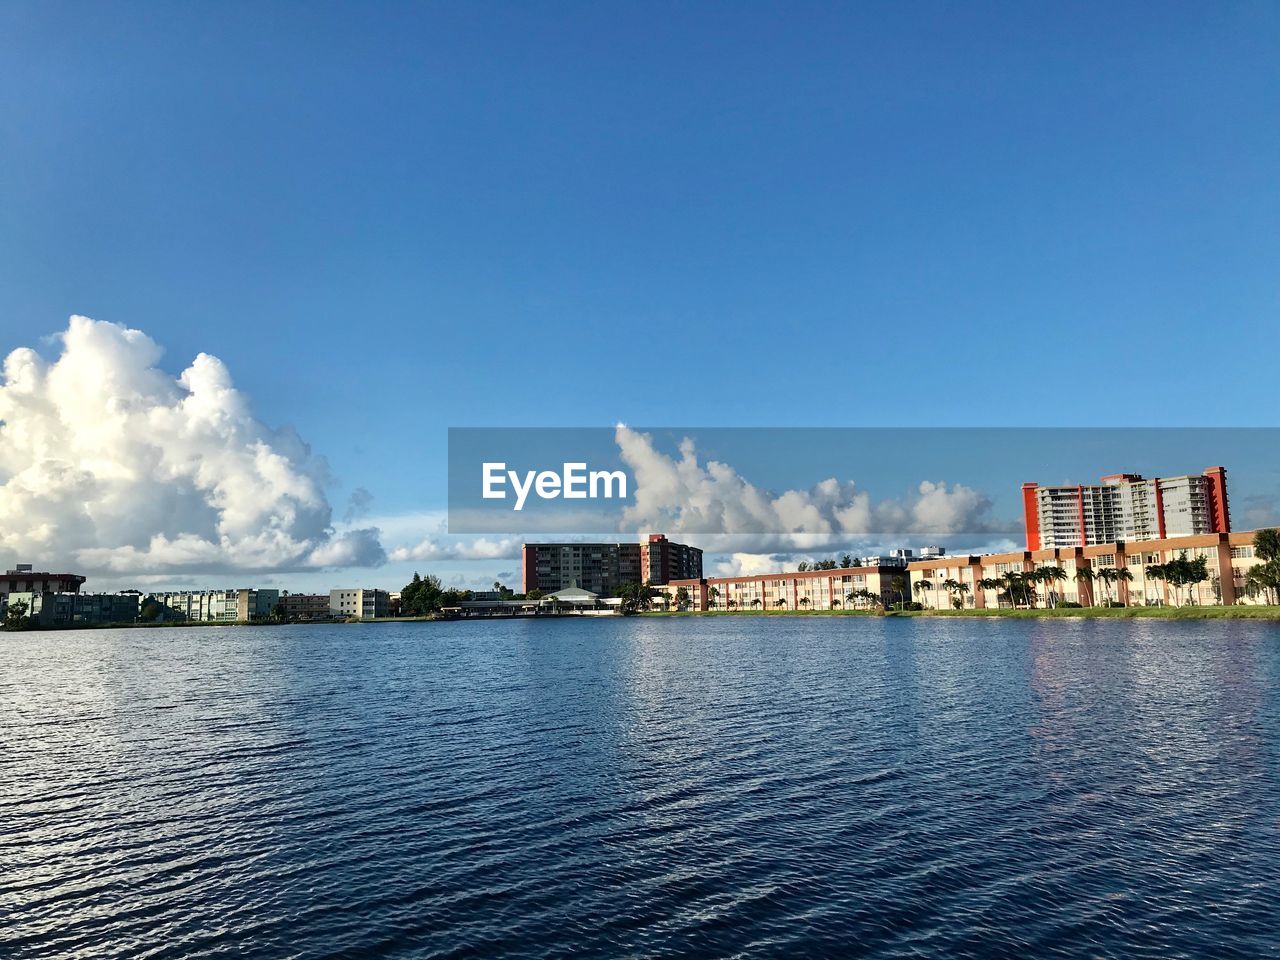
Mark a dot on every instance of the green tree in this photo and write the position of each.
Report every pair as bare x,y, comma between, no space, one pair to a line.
992,583
1084,575
1016,586
951,585
846,561
920,586
1264,579
682,597
1159,572
278,613
423,595
635,597
1266,544
15,615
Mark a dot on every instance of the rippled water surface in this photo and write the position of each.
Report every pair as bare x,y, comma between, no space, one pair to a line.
639,788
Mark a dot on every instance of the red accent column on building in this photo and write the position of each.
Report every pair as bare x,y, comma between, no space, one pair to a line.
1159,510
529,569
1031,516
1226,574
1220,512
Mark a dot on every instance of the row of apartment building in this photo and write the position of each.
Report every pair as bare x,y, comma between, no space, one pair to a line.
1228,557
247,605
56,600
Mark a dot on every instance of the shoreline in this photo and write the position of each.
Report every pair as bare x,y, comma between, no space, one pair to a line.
1264,613
1096,613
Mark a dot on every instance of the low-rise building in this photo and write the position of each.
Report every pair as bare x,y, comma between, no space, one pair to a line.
1094,575
842,588
54,610
359,603
216,606
23,579
305,607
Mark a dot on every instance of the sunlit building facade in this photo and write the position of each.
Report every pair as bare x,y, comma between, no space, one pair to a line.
1128,507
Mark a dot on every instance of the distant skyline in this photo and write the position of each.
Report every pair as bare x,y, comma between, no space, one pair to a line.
386,223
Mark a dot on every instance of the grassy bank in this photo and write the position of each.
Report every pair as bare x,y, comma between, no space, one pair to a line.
1110,613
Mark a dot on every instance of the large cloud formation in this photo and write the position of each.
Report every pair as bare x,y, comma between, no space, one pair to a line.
712,504
110,464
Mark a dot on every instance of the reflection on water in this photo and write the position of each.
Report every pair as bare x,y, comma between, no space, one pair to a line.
726,787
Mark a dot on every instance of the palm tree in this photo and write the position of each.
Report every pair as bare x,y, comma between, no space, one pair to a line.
1049,576
804,601
1158,571
950,584
713,595
873,599
1105,576
921,586
1014,583
900,584
1059,575
780,602
1193,573
1266,544
1265,579
1085,575
1121,575
991,583
961,589
755,601
730,603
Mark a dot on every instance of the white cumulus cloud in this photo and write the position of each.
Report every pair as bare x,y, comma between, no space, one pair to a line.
109,463
478,548
724,511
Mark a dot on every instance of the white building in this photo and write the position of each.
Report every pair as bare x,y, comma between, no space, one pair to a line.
361,603
218,606
1126,507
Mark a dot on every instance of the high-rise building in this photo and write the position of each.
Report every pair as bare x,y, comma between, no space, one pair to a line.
662,560
1126,507
604,567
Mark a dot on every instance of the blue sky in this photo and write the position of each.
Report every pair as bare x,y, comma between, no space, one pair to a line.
391,219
